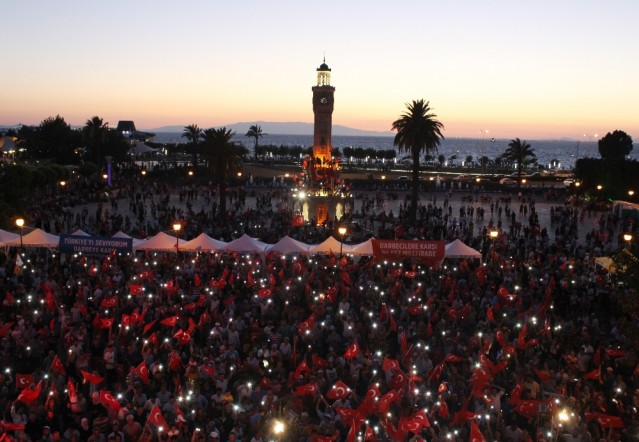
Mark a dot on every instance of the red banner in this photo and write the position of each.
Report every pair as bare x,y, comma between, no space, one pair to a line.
429,252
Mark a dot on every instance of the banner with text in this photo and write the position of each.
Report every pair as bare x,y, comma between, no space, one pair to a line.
96,245
429,252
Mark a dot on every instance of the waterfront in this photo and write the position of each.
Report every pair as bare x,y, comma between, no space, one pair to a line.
564,151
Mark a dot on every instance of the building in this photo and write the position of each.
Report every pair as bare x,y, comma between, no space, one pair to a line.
321,194
128,130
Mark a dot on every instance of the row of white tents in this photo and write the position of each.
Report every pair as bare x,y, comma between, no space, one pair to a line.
163,242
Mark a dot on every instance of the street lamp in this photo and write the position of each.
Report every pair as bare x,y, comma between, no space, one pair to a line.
483,145
342,232
628,238
20,224
177,227
631,193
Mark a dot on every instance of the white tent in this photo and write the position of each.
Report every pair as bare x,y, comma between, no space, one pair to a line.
330,245
203,243
6,237
246,244
80,232
288,245
140,148
364,248
36,238
160,242
457,249
121,234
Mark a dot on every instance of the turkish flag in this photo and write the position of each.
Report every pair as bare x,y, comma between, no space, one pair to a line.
318,438
353,351
415,310
170,321
298,220
73,396
153,339
475,433
462,416
146,275
136,289
174,361
106,323
56,366
142,371
443,409
595,374
28,395
436,372
605,420
24,380
148,327
156,418
386,401
453,358
110,302
264,293
307,389
390,364
499,336
92,378
319,362
399,381
368,404
302,368
489,314
369,435
10,426
339,391
4,330
182,337
348,414
408,425
307,325
107,398
528,408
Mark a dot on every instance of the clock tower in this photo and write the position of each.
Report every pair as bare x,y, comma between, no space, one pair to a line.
323,102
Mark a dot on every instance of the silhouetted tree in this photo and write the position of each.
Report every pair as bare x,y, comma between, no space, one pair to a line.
521,154
615,146
193,134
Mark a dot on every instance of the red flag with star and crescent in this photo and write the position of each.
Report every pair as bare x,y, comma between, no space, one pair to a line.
352,351
107,398
156,418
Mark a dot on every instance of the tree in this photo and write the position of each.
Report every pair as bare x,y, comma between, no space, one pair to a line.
101,141
521,154
193,134
255,132
418,131
53,139
223,159
615,146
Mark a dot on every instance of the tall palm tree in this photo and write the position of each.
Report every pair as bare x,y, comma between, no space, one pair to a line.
520,153
193,134
94,135
418,131
223,159
255,132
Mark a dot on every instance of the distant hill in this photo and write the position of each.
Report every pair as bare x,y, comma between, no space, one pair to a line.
283,128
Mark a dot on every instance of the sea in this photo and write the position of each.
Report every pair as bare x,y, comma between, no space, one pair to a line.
561,154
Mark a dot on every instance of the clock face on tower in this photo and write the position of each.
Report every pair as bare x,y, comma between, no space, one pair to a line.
323,100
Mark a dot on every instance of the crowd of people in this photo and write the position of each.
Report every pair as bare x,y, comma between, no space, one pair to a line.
524,345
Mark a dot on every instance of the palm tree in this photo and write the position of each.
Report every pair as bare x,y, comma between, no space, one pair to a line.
520,153
223,159
255,131
193,134
94,134
418,131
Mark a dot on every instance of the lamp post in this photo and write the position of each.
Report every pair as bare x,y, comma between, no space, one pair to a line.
20,224
483,133
177,227
342,232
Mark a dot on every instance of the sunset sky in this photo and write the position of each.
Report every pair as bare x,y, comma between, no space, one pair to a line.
542,69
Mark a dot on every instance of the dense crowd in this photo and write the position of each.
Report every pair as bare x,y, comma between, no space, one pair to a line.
525,345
